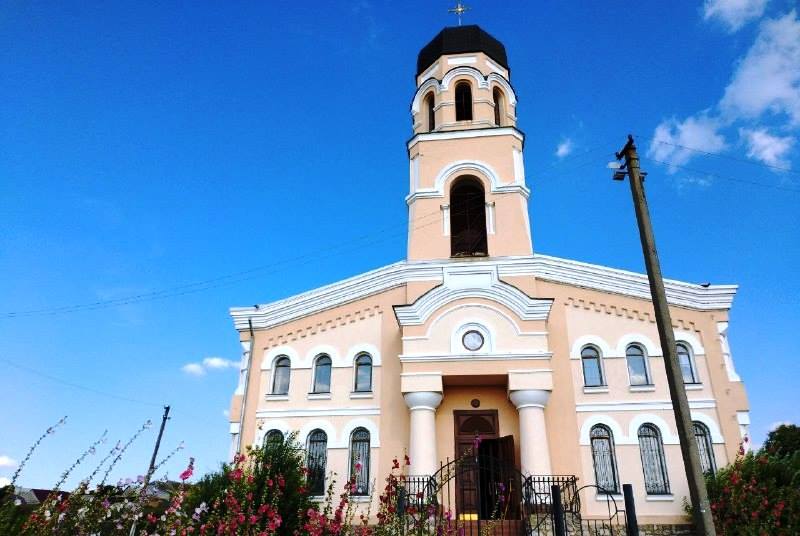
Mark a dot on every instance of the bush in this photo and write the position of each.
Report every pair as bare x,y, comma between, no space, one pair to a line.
759,494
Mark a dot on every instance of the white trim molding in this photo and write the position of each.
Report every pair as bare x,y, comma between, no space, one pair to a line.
317,412
472,282
487,132
468,167
580,407
619,437
558,270
590,340
272,354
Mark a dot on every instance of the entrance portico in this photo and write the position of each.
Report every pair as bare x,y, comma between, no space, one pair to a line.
434,401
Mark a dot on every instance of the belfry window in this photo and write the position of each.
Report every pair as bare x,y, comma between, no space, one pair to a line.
429,109
605,463
467,219
463,101
322,375
499,106
280,379
316,459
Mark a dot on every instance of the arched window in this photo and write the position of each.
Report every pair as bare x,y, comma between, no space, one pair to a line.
359,460
654,465
281,375
463,101
363,373
687,364
705,447
499,106
592,370
429,108
467,219
316,459
638,372
273,437
322,375
605,461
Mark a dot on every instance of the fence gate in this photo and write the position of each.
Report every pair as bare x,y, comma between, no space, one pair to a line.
474,496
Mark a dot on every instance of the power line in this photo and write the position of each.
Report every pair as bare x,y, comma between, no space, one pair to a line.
76,385
719,155
728,177
228,279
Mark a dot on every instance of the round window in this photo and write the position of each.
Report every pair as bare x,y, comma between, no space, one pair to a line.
472,340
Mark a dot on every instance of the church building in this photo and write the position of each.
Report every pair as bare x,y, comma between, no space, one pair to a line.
476,341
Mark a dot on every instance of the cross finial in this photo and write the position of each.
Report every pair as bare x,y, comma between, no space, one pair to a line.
459,10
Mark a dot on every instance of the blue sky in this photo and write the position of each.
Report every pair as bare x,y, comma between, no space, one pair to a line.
148,146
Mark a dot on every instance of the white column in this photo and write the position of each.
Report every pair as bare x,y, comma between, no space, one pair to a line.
422,439
534,450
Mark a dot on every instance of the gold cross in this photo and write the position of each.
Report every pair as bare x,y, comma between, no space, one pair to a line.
459,10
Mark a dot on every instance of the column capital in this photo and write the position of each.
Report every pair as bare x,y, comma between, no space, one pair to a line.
529,398
423,400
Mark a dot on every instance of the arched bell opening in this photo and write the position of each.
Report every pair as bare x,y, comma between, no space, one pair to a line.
468,218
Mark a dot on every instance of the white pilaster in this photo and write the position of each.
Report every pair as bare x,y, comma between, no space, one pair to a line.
422,440
534,450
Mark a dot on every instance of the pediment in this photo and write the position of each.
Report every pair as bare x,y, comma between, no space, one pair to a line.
472,282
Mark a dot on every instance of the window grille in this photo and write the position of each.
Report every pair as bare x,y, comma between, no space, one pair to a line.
363,373
273,437
280,381
592,372
654,465
637,365
359,460
463,101
605,463
705,447
687,367
316,460
322,375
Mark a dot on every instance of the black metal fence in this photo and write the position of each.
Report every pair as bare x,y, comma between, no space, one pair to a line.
472,496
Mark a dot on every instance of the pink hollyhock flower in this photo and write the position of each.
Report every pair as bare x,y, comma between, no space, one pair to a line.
187,474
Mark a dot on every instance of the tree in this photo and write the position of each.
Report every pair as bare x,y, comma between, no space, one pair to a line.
783,440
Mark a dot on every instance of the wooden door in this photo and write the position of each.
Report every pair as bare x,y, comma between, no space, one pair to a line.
469,425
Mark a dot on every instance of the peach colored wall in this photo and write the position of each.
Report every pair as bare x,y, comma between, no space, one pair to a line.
482,98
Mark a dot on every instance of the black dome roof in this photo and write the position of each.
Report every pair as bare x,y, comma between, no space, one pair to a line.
458,39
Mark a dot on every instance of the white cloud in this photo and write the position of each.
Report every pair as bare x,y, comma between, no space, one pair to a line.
564,148
209,363
7,461
761,145
774,426
734,13
768,78
195,369
672,137
219,363
4,481
226,413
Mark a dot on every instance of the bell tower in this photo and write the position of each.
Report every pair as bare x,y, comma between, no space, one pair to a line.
467,195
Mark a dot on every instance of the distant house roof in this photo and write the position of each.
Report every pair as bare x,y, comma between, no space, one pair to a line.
459,39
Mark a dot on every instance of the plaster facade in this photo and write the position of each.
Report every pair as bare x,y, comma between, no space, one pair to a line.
533,315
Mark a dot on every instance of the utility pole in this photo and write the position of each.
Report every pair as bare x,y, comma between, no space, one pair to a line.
703,521
151,469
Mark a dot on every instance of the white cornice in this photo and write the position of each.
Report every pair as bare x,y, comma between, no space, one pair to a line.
463,134
472,282
579,274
